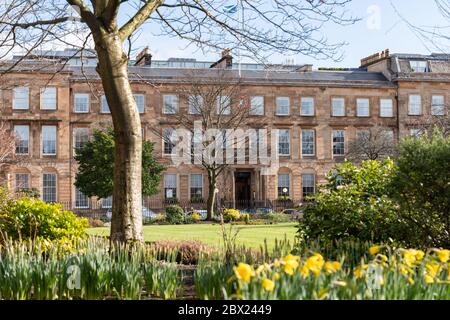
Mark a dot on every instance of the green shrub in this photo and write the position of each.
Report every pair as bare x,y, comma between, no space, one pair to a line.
174,214
31,219
421,186
357,209
231,215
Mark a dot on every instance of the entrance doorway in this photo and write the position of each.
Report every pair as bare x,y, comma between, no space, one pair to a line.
242,188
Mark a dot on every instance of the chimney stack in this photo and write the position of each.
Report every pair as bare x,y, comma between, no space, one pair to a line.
225,62
144,58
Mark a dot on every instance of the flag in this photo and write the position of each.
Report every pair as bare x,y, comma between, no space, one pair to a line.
230,8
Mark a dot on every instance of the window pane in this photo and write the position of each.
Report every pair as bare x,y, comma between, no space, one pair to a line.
105,107
223,105
81,136
170,186
22,133
196,185
81,200
282,106
49,140
418,66
257,105
81,102
338,142
195,104
362,106
169,139
284,142
48,98
21,98
338,107
308,184
49,187
308,142
22,181
283,184
307,106
386,108
438,105
415,105
140,102
107,203
170,104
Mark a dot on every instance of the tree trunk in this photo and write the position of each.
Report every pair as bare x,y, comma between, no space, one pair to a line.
211,194
126,223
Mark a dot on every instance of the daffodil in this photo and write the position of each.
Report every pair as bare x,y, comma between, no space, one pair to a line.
428,278
276,276
433,269
290,263
244,272
443,255
332,267
267,284
411,256
315,264
410,280
304,271
374,250
359,271
260,269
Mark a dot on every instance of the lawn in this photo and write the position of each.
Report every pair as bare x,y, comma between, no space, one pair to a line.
250,235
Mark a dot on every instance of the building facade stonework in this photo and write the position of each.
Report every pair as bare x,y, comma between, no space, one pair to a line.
320,112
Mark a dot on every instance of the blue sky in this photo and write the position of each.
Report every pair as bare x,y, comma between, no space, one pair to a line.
364,38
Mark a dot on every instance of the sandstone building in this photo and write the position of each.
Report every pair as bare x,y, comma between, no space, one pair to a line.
54,100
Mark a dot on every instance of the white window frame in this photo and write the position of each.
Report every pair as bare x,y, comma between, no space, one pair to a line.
288,194
76,136
19,138
414,107
168,100
333,143
86,104
363,104
313,180
223,105
21,102
418,65
309,100
81,197
289,142
438,108
43,129
197,187
313,143
257,106
335,112
55,186
138,97
173,138
383,104
165,186
16,187
279,102
195,104
106,203
104,105
49,98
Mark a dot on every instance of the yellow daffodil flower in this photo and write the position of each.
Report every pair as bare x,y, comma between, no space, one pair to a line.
267,284
332,267
244,272
374,250
433,269
443,255
428,278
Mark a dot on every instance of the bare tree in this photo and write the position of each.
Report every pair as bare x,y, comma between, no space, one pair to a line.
217,107
277,26
433,37
7,146
440,120
372,144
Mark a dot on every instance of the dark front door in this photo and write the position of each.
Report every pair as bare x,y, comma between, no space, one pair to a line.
242,188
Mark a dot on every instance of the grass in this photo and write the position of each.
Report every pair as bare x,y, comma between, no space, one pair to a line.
250,235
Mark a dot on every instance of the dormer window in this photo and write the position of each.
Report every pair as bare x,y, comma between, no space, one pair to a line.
418,66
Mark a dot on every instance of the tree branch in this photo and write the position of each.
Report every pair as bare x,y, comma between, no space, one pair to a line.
139,18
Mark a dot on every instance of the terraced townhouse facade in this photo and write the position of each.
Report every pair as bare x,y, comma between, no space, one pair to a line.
52,103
